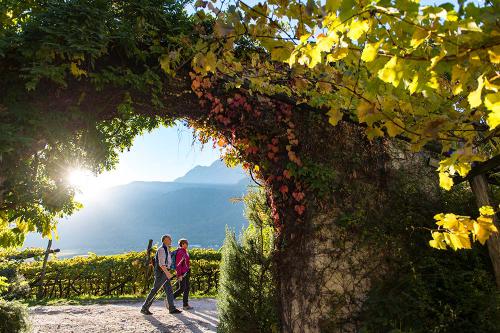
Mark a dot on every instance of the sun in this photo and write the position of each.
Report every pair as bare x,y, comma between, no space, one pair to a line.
84,181
78,177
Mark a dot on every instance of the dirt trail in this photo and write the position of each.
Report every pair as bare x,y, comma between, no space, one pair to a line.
124,317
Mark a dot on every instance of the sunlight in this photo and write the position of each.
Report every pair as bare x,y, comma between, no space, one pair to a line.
85,182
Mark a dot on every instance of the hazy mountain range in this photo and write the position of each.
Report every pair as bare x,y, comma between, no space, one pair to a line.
197,206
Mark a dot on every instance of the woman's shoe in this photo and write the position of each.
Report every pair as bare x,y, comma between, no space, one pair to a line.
187,307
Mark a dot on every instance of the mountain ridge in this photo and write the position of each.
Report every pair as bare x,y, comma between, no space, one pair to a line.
128,215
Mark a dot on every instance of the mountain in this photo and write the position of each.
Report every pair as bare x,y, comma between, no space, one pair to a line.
124,217
217,173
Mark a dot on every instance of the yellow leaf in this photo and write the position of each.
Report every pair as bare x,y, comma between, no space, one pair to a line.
77,72
357,28
450,221
325,43
433,82
455,242
165,63
291,60
474,97
394,127
492,103
464,240
439,217
366,113
462,168
491,86
334,116
458,77
436,59
340,52
486,210
495,54
392,72
481,233
370,51
437,241
314,55
304,38
445,181
434,243
373,132
414,84
419,36
470,25
451,16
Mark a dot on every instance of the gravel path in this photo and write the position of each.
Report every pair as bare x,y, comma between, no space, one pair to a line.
124,317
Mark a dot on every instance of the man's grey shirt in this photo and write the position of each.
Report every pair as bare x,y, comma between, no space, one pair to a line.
161,257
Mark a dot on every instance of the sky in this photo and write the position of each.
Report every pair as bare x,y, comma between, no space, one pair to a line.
161,155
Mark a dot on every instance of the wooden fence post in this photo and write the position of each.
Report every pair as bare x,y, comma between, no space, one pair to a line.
482,192
146,263
44,266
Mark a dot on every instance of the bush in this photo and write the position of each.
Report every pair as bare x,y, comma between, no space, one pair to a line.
247,289
429,290
110,275
14,317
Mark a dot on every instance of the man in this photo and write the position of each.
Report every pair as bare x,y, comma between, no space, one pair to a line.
183,272
162,277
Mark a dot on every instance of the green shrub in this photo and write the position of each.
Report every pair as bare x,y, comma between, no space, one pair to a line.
109,275
429,290
14,317
247,289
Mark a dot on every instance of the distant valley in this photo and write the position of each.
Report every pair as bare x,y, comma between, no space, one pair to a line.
197,206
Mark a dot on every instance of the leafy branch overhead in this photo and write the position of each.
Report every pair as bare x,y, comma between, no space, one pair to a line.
424,74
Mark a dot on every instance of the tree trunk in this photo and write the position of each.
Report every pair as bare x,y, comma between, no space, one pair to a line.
482,192
325,265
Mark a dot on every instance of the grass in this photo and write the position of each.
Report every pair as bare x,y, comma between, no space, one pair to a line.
88,299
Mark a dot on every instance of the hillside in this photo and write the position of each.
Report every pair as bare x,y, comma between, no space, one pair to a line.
125,217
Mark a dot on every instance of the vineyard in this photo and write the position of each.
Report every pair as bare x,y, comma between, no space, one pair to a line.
110,275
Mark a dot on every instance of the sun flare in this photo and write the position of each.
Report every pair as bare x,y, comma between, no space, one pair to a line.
84,182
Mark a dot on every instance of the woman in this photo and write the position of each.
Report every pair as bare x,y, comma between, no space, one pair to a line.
182,269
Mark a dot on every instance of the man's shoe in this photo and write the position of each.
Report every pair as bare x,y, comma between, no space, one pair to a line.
174,311
187,307
146,312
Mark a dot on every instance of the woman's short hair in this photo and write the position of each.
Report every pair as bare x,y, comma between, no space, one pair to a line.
182,241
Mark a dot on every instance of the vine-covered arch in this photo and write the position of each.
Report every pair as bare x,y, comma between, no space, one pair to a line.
80,79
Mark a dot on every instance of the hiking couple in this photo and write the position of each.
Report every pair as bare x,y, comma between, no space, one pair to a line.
163,262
